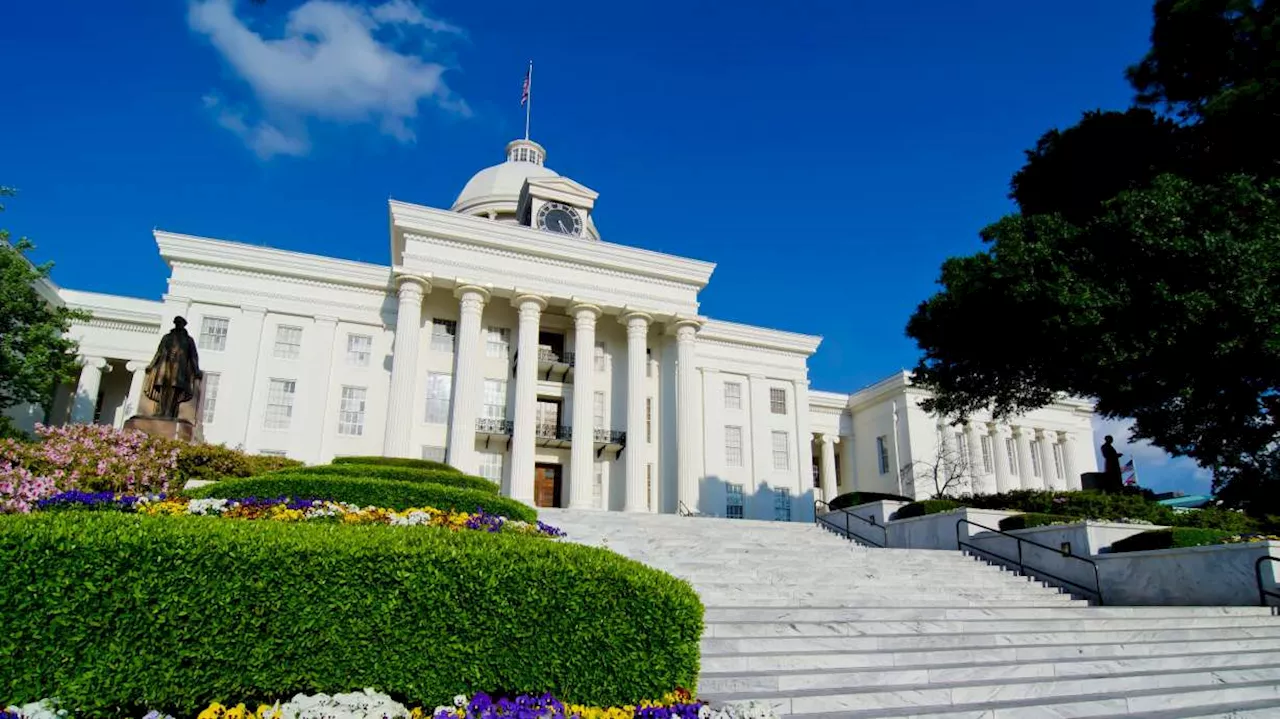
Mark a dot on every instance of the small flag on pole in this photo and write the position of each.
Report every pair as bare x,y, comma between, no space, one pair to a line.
524,90
1129,473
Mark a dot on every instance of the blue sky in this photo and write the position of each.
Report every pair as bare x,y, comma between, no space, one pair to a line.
827,154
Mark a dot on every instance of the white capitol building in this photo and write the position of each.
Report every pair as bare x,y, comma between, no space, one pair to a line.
506,337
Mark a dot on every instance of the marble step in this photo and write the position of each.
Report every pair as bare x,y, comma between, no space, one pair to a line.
882,677
1159,703
857,614
828,629
895,642
1265,709
785,600
1030,692
881,589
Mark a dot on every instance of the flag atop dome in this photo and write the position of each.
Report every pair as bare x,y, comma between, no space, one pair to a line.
524,97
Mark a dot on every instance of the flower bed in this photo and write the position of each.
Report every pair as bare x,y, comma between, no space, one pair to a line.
369,704
289,509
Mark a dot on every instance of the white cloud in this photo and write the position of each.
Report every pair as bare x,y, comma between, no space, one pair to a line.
334,62
1156,468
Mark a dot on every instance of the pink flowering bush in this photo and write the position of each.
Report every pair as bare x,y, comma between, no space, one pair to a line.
86,457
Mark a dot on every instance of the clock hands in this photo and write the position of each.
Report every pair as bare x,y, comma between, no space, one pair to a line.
562,227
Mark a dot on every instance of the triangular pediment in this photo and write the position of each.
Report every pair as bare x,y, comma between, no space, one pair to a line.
562,189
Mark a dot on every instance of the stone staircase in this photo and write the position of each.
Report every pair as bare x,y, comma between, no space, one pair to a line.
816,626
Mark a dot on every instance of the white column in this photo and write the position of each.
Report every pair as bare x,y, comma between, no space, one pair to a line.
137,378
1004,482
637,324
1026,475
1048,468
688,431
582,455
86,399
467,378
248,342
404,367
827,469
526,401
316,421
1069,461
983,482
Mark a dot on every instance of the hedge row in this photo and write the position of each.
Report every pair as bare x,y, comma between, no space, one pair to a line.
928,506
367,492
1026,521
115,614
1170,538
853,499
213,462
1110,507
449,478
397,462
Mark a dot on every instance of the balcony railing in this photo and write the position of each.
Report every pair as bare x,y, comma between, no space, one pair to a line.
490,425
610,436
552,365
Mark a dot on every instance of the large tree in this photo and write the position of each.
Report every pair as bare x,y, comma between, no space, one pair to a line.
1143,266
35,354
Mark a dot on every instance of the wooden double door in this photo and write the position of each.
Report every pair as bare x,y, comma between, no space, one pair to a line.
547,481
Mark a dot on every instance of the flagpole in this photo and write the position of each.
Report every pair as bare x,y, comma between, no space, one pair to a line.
528,104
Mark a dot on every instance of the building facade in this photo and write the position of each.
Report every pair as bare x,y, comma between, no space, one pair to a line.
506,338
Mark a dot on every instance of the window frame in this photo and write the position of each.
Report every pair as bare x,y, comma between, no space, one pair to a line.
733,400
778,400
497,342
494,410
355,356
734,510
272,417
292,349
438,403
783,453
882,453
729,431
209,330
782,504
211,382
352,419
442,328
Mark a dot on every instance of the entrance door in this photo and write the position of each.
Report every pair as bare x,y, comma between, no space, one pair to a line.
546,485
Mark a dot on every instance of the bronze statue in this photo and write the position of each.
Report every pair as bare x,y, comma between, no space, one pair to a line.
1111,464
173,372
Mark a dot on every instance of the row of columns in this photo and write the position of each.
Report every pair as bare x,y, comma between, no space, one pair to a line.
468,381
85,401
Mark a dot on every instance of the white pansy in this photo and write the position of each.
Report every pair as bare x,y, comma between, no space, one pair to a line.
207,506
367,704
460,700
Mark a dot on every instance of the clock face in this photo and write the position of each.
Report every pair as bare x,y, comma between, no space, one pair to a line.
561,218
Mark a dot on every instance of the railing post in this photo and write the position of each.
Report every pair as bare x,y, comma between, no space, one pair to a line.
1021,567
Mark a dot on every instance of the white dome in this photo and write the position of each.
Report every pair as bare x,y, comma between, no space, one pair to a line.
497,188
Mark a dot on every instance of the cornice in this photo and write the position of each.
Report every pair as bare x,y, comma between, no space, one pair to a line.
242,293
122,326
443,224
828,401
114,308
778,340
179,249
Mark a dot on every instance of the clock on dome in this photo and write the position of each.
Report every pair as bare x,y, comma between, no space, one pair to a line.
561,218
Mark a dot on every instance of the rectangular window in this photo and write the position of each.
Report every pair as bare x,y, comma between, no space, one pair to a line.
442,334
733,503
733,395
597,488
288,342
597,410
495,399
733,446
962,449
1036,466
882,451
435,454
279,404
648,484
439,389
273,453
602,361
782,504
777,400
210,399
648,420
351,411
359,348
491,466
213,333
497,343
1059,461
1011,449
988,458
781,451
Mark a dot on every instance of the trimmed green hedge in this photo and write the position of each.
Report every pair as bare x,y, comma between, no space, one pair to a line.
928,506
1170,538
853,499
1102,506
397,462
367,492
117,613
450,478
1026,521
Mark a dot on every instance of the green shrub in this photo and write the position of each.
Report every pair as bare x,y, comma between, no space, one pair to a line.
928,506
1217,518
853,499
450,478
1170,538
367,492
1026,521
114,613
396,462
211,462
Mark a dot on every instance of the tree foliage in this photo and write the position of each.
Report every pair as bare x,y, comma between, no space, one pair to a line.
35,354
1143,266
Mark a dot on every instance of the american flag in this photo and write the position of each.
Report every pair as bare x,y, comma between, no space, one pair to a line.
524,90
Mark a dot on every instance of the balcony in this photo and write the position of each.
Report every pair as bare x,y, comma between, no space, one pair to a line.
553,365
489,429
559,436
553,435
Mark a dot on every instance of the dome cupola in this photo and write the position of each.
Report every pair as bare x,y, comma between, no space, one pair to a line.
494,191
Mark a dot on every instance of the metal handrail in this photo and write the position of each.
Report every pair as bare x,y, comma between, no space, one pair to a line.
847,532
684,511
1263,592
1022,566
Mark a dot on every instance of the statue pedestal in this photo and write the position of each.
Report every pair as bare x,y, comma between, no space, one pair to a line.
179,429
